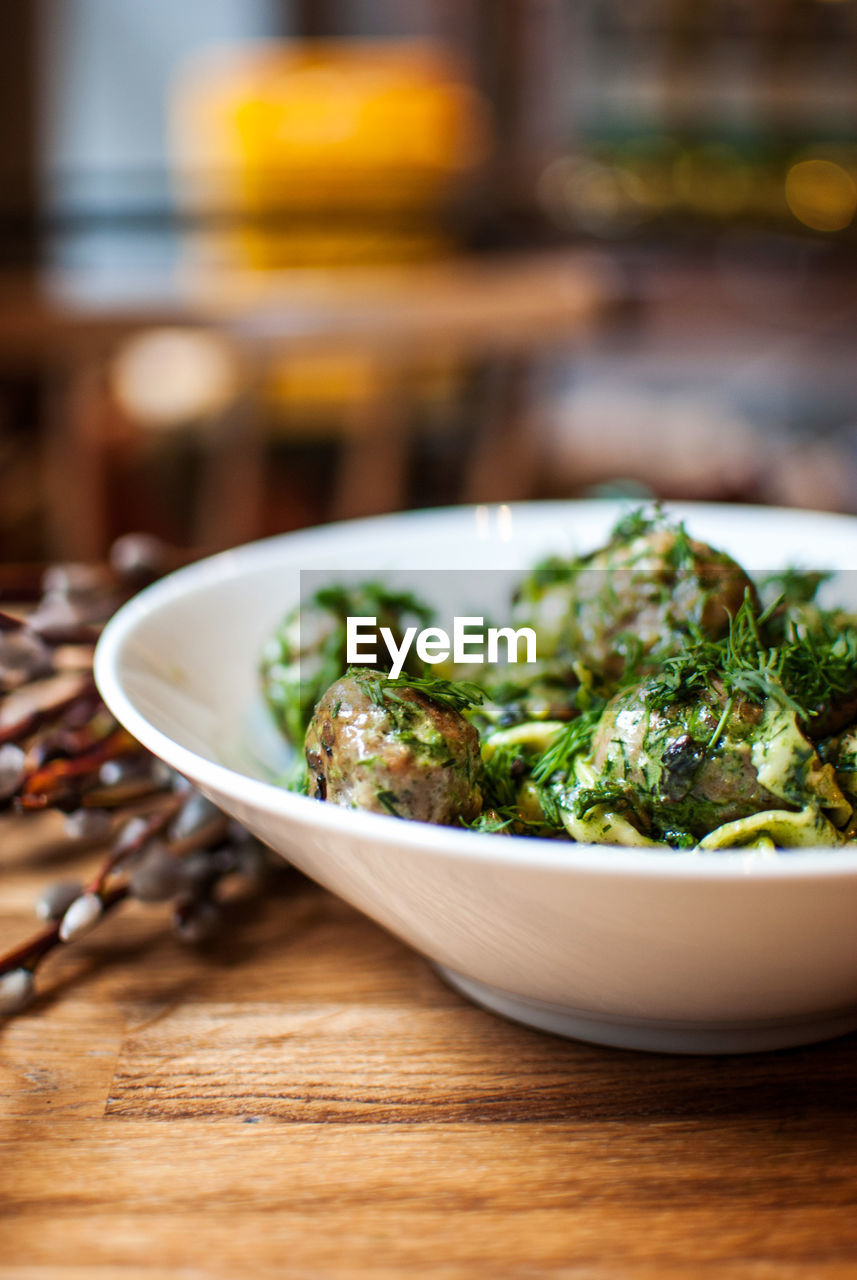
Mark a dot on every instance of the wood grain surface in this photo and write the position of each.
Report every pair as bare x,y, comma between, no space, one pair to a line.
307,1099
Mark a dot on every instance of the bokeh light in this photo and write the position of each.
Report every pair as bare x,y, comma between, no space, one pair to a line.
822,195
166,377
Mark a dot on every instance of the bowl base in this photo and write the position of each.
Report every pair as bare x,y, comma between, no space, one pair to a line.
650,1034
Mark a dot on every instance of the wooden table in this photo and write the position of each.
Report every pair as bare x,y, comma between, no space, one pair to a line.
308,1099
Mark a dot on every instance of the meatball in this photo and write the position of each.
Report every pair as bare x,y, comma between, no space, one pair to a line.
393,750
672,773
637,596
308,650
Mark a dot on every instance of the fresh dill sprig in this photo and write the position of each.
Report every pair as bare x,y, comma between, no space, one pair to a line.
389,799
456,695
800,673
751,667
571,741
551,570
680,555
371,597
794,586
490,820
502,774
508,819
370,682
614,797
636,523
817,662
686,675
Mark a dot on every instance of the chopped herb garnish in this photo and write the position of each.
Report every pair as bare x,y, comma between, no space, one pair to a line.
389,800
794,586
587,798
636,524
553,569
570,742
490,820
502,774
457,695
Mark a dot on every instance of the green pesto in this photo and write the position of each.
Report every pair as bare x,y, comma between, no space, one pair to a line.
409,719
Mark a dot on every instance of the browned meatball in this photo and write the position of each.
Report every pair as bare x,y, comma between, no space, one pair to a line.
672,771
393,750
639,596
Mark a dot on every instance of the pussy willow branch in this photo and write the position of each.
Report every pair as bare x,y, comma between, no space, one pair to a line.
29,954
19,729
65,737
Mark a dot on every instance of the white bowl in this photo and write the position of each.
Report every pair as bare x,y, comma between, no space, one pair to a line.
692,953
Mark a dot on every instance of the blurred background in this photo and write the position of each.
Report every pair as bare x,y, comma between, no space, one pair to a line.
266,263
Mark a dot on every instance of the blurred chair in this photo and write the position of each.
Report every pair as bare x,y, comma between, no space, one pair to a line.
322,294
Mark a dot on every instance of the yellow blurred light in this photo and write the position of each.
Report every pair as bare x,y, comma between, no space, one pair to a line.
324,153
319,155
326,125
822,195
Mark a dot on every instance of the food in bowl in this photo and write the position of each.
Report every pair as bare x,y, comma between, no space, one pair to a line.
674,701
728,950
